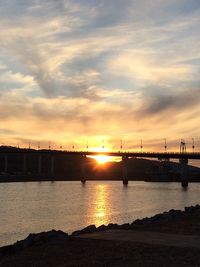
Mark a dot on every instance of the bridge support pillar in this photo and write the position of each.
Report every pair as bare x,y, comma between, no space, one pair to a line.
52,166
83,179
184,171
125,169
6,163
24,164
39,165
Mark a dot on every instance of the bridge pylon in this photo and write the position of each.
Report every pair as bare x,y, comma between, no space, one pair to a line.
24,164
83,163
183,165
184,172
52,166
5,163
39,164
125,170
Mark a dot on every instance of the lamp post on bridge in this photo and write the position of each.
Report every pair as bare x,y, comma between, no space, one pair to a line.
87,146
165,146
103,146
141,145
182,146
193,145
121,146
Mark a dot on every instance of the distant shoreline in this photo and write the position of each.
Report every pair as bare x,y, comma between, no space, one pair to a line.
16,180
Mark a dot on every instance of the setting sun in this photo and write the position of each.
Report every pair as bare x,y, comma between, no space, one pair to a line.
101,159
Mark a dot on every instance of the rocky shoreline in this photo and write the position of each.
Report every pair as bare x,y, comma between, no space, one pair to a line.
56,248
58,237
160,218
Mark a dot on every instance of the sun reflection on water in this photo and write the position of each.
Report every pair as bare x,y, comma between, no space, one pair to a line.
99,210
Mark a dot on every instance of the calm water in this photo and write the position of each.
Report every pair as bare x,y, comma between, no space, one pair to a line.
42,206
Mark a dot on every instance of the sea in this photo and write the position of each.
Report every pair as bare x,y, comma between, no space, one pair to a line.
32,207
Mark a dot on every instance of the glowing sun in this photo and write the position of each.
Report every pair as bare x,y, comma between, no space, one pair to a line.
101,159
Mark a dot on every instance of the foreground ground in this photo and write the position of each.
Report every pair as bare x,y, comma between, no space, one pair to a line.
135,247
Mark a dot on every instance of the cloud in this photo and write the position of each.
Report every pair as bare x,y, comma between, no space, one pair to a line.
72,69
158,100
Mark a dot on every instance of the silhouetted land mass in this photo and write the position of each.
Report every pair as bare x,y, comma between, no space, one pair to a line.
69,167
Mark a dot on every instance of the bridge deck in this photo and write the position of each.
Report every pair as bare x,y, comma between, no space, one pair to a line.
158,155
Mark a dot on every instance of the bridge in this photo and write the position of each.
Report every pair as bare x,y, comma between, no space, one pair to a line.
182,156
129,154
121,154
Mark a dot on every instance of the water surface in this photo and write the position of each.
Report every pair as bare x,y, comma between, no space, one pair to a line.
41,206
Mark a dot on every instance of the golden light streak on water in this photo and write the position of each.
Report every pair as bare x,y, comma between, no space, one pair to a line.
100,207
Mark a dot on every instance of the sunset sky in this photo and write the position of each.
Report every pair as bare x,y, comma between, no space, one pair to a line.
78,70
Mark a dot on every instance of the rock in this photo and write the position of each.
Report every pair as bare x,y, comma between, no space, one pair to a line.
6,250
137,222
188,209
28,241
160,218
76,233
124,226
102,228
192,209
112,226
197,206
89,229
51,237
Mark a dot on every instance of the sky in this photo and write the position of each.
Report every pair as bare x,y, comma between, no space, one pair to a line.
74,72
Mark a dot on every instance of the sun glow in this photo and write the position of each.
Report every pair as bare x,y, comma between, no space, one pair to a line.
101,159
